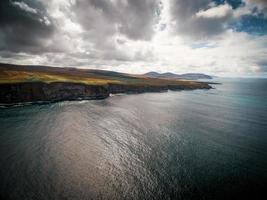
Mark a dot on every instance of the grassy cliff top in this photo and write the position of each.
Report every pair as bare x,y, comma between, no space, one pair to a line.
24,73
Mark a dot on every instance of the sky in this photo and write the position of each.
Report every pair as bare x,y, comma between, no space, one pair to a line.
218,37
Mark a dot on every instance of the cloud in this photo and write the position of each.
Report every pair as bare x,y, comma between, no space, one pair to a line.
206,19
217,12
199,19
134,19
22,5
258,7
134,35
259,3
23,28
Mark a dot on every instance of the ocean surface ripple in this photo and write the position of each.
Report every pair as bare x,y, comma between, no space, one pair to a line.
203,144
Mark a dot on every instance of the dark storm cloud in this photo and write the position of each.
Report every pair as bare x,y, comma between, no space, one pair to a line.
24,26
134,19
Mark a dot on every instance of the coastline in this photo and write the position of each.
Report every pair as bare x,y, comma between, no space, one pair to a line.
17,94
35,84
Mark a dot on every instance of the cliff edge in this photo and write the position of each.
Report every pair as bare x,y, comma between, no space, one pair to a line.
20,84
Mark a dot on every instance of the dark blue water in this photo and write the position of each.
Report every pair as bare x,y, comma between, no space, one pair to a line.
176,145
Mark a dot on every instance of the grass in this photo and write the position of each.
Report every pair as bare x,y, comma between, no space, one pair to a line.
21,74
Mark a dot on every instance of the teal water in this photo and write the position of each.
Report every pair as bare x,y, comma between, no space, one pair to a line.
203,144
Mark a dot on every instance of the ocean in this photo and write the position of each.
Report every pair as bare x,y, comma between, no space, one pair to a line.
201,144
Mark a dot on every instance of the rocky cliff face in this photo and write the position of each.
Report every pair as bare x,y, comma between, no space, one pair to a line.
38,91
59,91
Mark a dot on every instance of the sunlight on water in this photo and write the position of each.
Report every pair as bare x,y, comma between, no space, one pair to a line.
176,145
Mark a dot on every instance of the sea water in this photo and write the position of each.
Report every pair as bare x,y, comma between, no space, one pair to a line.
202,144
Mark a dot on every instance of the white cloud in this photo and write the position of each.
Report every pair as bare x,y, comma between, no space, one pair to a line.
220,11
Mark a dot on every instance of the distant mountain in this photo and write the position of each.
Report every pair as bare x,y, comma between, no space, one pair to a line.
187,76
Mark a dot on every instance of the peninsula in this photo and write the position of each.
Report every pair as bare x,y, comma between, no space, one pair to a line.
24,83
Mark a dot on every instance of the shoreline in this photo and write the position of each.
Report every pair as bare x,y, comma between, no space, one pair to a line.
89,98
23,84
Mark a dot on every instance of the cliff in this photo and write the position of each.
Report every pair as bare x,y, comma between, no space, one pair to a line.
20,84
44,92
58,91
